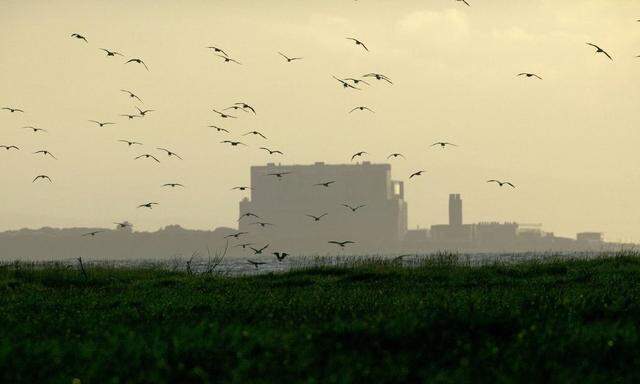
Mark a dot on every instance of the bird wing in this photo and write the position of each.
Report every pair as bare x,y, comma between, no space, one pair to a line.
512,186
283,55
605,52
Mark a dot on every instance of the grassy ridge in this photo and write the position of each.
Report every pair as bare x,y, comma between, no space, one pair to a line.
573,321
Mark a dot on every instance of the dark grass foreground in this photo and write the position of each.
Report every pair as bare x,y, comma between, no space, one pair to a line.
573,321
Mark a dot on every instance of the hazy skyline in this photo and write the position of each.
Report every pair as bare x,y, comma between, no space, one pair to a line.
568,142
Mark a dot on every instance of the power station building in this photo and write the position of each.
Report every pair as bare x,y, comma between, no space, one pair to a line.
286,204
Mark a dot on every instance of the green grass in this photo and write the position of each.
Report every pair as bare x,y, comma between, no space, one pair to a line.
553,321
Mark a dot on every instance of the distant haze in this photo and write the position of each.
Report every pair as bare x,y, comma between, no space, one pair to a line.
569,142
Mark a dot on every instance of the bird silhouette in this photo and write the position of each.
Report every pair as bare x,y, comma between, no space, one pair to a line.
79,37
394,155
131,95
137,61
417,173
144,113
465,1
216,50
501,183
170,153
130,116
12,110
356,81
262,224
236,108
271,152
8,147
358,154
234,143
111,53
247,106
280,255
341,244
243,245
236,235
148,205
122,225
258,251
289,59
443,144
362,108
378,76
227,59
101,124
249,214
358,42
256,263
218,128
353,209
278,175
317,218
326,184
600,50
345,84
255,133
44,153
43,177
527,74
34,129
92,234
130,143
224,115
147,156
173,185
241,188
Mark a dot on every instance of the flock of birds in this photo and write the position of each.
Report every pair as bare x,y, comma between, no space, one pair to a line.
230,112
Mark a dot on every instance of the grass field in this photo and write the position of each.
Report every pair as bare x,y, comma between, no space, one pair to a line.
554,321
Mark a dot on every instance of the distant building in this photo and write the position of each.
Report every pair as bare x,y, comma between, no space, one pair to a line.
590,237
377,226
455,210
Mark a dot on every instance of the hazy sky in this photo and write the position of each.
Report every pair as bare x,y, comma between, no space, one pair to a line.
569,142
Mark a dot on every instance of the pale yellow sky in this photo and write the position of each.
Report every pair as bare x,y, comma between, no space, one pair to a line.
569,142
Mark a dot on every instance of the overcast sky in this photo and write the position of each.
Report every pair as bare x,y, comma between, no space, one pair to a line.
569,142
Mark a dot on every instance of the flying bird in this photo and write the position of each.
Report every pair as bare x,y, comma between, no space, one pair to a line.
148,205
80,37
137,61
130,143
317,218
43,177
241,188
249,214
216,50
101,124
358,42
289,59
255,133
148,156
8,147
378,76
600,50
228,59
325,184
353,209
111,53
527,74
261,223
144,113
341,244
345,84
243,245
131,95
443,144
224,115
394,155
44,153
246,106
356,81
235,108
278,175
272,152
236,235
358,154
169,153
256,263
12,110
173,185
233,143
130,116
218,128
280,255
92,234
259,250
501,183
417,173
362,108
122,225
34,129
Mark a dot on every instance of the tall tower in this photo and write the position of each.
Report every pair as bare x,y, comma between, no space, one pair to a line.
455,209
